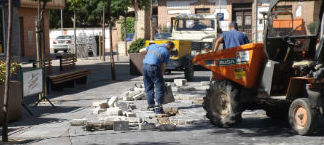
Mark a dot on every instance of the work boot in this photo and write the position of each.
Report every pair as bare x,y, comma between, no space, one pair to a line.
150,108
158,109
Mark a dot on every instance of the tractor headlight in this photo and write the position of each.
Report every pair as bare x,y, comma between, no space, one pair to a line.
207,45
174,53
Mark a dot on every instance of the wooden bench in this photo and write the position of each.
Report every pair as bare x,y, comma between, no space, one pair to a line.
68,75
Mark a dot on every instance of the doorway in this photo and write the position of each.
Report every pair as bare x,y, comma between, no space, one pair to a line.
242,15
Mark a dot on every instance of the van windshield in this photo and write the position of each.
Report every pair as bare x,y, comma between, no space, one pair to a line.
195,25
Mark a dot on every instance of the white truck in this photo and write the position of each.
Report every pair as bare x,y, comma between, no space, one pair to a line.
202,30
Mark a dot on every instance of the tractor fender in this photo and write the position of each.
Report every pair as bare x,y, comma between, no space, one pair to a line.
299,88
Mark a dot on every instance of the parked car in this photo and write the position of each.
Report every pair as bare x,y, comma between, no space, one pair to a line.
129,37
62,43
162,36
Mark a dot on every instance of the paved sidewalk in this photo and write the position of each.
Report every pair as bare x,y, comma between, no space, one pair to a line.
51,125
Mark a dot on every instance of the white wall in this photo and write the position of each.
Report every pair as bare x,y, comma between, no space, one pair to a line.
88,31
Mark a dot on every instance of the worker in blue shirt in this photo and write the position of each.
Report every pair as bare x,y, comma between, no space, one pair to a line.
232,38
157,56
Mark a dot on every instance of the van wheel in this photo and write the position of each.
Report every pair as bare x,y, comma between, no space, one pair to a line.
221,105
55,51
302,118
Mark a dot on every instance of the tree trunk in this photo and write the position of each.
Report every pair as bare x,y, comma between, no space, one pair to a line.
136,18
151,21
103,32
74,27
125,34
112,62
6,90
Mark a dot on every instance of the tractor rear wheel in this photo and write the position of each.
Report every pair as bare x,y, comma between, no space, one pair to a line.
189,70
223,109
302,118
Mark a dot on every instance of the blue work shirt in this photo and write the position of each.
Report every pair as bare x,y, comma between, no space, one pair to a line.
234,38
156,54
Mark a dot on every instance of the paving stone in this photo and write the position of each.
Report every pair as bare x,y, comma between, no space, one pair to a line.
129,114
134,119
114,111
140,96
139,89
112,100
102,125
167,127
112,118
98,110
163,120
146,126
168,95
78,122
133,93
121,126
204,83
102,104
180,82
171,111
128,98
122,105
132,106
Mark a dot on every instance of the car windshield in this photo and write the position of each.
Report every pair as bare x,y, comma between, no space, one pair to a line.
64,37
162,35
130,35
295,18
195,25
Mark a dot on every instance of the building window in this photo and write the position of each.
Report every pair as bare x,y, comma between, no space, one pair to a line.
202,10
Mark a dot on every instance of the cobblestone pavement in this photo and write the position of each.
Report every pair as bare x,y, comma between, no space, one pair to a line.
51,125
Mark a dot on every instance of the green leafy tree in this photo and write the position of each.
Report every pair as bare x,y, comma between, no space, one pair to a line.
89,12
130,21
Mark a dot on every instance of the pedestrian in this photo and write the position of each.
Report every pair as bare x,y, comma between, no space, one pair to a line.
232,38
157,56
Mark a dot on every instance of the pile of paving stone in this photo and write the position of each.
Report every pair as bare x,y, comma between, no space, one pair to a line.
128,111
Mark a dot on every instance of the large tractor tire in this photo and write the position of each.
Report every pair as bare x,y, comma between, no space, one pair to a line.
302,118
223,109
189,70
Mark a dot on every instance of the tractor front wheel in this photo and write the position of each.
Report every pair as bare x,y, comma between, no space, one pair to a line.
302,118
221,104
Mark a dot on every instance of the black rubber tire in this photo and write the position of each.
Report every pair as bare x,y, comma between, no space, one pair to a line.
227,90
65,51
311,116
189,70
55,51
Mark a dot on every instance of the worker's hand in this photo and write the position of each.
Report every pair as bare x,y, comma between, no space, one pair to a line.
143,50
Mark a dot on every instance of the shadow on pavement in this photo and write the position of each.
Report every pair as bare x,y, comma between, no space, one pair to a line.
151,143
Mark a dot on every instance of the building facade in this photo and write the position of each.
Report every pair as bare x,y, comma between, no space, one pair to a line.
27,15
23,35
241,11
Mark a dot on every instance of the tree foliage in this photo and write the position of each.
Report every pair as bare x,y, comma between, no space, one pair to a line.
136,46
130,23
89,12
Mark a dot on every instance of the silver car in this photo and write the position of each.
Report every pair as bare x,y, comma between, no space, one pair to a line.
62,43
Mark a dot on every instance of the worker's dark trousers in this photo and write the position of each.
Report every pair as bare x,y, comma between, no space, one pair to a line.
152,76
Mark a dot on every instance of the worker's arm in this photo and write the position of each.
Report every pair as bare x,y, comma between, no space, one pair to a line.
218,41
163,68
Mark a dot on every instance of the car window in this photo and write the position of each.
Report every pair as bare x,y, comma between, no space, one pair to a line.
64,37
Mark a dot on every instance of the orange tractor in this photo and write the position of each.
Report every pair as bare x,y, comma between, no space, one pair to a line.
284,75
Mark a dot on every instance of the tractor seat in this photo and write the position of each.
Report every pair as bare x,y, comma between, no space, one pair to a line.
303,63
